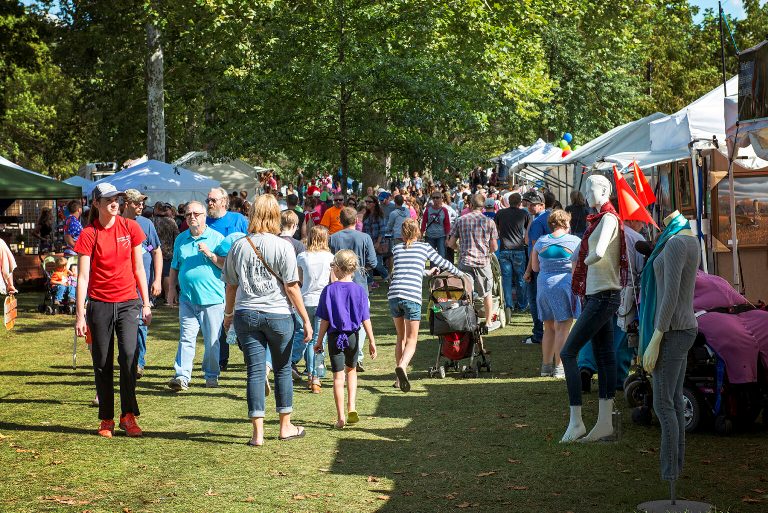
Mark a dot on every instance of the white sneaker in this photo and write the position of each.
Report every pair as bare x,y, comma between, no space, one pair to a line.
494,325
178,384
559,372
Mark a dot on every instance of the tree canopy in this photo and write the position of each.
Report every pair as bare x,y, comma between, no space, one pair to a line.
411,84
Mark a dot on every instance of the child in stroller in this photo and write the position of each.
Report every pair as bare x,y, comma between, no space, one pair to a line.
60,283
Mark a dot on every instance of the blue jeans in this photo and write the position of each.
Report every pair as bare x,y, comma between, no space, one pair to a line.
668,378
595,323
256,332
623,355
380,268
301,349
513,263
141,342
438,243
60,291
410,310
192,319
538,326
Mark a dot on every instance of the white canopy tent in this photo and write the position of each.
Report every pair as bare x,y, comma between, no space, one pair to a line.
234,175
161,182
79,181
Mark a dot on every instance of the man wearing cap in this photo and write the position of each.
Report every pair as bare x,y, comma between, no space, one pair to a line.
490,208
153,262
534,202
387,205
198,257
478,236
225,222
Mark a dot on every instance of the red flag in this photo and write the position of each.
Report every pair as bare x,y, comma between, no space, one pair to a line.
643,188
630,207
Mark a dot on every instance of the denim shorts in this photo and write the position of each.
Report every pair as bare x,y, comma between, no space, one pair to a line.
400,307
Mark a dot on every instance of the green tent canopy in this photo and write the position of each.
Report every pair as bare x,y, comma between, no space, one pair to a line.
18,183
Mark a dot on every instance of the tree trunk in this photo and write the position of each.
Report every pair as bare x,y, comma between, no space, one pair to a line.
343,99
155,95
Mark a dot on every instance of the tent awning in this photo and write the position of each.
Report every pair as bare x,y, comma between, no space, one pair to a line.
18,183
644,158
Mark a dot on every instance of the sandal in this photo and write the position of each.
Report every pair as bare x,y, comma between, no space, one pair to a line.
402,377
353,417
251,443
339,424
300,432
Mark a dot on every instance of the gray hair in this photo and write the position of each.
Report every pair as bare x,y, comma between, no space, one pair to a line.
193,202
224,194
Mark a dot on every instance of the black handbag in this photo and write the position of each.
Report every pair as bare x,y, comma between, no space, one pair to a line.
452,316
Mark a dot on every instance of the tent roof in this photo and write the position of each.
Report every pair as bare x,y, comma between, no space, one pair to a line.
193,159
161,182
644,159
629,137
702,119
79,181
19,183
230,177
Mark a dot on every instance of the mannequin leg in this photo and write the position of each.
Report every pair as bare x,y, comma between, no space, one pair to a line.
602,344
576,428
604,425
668,378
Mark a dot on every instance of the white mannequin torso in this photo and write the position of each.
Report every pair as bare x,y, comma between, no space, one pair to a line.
603,259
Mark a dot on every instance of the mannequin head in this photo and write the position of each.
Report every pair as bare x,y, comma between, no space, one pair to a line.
670,217
598,190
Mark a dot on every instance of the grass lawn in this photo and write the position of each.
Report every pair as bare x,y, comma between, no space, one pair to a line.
486,445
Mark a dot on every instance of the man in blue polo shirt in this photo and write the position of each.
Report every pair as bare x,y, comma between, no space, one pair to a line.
197,261
226,223
534,202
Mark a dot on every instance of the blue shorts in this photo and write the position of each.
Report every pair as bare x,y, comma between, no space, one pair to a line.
400,307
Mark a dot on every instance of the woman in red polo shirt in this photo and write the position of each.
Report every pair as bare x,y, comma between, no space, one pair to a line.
110,272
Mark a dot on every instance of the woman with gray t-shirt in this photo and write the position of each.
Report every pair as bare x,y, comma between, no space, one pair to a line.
262,283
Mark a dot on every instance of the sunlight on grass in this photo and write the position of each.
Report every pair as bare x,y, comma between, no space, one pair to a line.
487,444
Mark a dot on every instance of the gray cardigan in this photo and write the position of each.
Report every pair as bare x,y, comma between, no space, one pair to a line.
675,269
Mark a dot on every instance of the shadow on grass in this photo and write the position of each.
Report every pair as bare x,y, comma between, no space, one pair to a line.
30,401
72,430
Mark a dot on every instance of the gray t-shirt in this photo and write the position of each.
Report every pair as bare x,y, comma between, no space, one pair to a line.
257,288
435,222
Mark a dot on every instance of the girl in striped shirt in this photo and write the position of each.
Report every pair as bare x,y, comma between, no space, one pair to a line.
405,293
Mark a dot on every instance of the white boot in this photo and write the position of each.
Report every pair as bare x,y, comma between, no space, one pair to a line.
604,426
576,428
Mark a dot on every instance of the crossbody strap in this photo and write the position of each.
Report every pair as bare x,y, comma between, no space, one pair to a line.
261,257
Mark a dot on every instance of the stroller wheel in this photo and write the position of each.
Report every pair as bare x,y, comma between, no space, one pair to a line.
49,310
431,372
642,416
723,425
692,410
441,372
634,393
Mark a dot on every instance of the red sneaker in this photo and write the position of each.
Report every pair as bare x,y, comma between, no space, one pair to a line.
107,428
128,424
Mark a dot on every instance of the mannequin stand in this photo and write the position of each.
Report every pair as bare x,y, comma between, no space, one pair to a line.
673,505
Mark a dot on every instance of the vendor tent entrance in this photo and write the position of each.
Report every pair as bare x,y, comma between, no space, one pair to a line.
162,182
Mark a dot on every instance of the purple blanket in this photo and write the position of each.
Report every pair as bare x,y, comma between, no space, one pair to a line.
741,340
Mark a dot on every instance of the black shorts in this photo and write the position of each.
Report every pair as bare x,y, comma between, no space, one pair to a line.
347,357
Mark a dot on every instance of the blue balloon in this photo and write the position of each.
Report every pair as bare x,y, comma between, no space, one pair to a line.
568,137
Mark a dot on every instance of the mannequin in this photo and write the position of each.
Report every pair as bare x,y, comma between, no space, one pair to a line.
667,331
599,274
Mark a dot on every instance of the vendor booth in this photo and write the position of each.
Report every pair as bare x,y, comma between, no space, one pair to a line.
22,194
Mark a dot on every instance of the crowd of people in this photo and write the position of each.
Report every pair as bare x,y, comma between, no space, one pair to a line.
286,278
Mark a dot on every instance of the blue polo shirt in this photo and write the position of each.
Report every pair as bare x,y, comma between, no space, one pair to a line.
230,222
538,228
151,243
199,279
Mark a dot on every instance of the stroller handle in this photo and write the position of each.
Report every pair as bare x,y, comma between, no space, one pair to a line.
445,281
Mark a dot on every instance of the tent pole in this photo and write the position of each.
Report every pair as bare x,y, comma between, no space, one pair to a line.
722,46
699,216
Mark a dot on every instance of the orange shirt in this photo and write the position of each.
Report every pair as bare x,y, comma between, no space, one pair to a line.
331,220
59,277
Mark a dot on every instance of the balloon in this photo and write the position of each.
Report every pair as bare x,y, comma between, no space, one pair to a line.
563,143
567,137
566,153
567,147
576,147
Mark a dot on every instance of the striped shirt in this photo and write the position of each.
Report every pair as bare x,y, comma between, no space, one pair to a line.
408,269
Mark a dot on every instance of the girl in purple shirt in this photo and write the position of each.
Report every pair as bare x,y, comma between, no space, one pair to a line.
342,309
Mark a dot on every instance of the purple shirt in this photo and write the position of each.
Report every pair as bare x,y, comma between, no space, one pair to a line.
344,305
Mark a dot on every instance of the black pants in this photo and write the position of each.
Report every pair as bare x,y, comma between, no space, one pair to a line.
104,321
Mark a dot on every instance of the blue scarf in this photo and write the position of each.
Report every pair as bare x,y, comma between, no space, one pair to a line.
648,281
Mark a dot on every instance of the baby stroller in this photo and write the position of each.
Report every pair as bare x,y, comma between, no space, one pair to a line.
49,306
453,319
726,378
